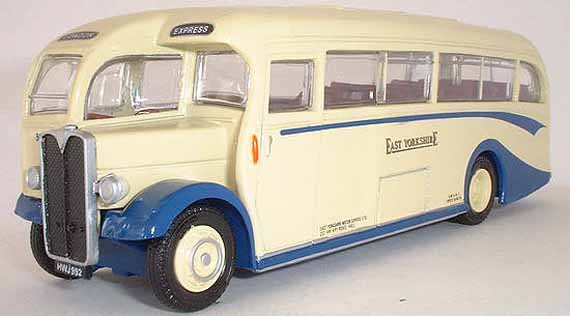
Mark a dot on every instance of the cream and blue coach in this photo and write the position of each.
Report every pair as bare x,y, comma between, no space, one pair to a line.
182,144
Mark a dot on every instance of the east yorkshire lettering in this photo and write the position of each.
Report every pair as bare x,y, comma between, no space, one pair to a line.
404,144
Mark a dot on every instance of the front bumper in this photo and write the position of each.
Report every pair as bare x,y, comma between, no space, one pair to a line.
123,257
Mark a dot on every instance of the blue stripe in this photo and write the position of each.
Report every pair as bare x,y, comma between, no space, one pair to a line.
530,125
373,233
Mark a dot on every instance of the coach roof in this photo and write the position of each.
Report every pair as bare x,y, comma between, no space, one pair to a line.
262,24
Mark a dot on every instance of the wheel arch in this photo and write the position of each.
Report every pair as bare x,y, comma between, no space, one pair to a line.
150,214
243,245
515,178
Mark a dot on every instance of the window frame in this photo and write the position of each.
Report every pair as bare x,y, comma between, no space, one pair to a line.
481,81
126,58
310,86
513,79
381,72
537,76
37,81
377,80
198,70
384,80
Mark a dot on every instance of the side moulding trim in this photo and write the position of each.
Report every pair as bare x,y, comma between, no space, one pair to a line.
151,212
355,239
517,179
528,124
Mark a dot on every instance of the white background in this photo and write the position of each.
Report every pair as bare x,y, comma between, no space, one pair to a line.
516,263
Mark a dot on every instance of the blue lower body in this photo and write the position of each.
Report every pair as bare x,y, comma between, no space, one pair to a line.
128,258
517,179
123,248
123,257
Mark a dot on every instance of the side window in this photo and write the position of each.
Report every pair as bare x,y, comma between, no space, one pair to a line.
408,77
459,78
351,79
159,86
529,84
291,83
134,86
106,95
221,78
498,76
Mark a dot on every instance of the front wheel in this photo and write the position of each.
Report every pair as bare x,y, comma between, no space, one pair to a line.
481,192
191,266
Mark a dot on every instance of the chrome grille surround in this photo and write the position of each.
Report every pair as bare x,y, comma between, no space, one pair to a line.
88,200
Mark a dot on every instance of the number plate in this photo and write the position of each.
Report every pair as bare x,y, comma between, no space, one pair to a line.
72,271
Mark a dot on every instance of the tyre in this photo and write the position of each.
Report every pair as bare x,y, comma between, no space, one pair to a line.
481,192
191,266
39,251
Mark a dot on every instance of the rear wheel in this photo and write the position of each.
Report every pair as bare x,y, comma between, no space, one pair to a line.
39,251
191,266
481,192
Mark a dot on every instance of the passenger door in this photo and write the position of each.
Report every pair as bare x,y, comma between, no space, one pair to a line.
287,182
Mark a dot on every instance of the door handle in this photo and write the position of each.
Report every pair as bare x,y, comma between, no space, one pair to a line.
268,142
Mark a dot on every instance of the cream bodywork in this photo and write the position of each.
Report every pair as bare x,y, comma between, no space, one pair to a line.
307,182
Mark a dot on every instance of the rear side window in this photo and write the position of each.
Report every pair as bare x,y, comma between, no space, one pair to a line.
135,86
529,84
459,78
475,78
351,79
408,77
498,76
291,82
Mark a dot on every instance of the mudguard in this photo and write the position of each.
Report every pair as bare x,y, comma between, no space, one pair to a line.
29,209
150,214
517,179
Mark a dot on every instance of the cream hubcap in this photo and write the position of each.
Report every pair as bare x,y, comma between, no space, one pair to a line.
199,259
480,190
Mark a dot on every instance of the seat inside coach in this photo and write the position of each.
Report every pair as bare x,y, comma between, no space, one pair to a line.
396,91
525,94
469,90
494,90
405,90
346,93
466,89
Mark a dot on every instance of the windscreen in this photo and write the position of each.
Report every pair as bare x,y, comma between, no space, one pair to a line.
135,86
51,92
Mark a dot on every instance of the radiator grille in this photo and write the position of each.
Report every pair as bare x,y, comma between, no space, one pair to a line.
68,209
